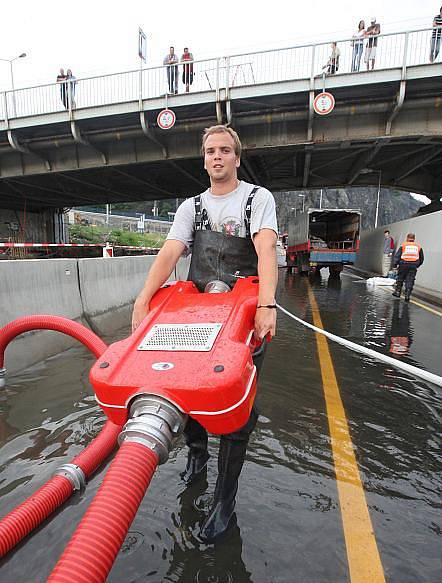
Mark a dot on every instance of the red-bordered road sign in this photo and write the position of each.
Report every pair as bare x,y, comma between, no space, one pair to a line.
324,103
166,119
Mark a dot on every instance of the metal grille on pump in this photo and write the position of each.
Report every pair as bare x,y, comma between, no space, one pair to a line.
189,337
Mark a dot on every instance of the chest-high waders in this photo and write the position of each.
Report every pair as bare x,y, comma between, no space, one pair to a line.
223,257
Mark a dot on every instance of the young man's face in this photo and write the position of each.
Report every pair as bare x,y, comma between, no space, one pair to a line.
386,234
220,160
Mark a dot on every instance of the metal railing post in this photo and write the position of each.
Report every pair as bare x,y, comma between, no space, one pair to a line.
69,96
140,95
312,70
227,76
5,105
217,78
405,56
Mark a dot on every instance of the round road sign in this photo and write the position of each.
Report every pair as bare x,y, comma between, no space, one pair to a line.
166,119
324,103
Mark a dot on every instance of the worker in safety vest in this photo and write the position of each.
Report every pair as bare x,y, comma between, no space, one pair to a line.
408,258
231,229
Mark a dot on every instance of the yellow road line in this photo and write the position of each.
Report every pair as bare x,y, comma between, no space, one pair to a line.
432,310
364,561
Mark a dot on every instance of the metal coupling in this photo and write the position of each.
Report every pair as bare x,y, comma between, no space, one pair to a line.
154,423
2,378
217,287
74,474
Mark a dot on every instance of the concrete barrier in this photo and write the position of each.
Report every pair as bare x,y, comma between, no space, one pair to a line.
108,287
96,292
39,286
428,231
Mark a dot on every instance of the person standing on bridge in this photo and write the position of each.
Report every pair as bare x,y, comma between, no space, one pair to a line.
358,46
333,61
187,60
71,81
61,79
387,253
436,36
240,219
409,257
372,43
171,60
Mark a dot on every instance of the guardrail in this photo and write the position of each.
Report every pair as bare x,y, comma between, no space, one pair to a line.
394,50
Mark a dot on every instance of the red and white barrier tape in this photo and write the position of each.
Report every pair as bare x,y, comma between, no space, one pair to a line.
22,245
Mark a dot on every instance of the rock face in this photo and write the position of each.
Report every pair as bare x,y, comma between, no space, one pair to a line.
393,205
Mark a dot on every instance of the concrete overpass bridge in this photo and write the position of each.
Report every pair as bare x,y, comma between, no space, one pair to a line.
105,146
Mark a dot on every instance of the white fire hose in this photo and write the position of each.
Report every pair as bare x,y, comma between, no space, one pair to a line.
413,370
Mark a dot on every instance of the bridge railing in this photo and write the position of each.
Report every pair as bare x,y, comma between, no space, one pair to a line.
393,50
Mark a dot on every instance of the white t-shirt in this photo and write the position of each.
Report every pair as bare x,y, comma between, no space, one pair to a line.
226,213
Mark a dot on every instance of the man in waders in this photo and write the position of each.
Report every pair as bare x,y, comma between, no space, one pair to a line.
408,257
231,230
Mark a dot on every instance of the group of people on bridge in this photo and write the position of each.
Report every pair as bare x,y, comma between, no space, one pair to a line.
171,61
68,84
369,35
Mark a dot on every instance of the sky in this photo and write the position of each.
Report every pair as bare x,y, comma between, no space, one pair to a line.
95,37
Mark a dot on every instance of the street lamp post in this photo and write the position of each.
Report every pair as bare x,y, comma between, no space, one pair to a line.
10,61
377,201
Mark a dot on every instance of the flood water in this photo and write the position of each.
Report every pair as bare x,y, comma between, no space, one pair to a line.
289,525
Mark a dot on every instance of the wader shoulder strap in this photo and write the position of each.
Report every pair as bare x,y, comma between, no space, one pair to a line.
248,213
202,220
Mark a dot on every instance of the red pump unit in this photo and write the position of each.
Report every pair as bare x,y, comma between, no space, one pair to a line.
192,355
194,350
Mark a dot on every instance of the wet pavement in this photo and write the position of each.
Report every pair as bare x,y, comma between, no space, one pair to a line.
289,524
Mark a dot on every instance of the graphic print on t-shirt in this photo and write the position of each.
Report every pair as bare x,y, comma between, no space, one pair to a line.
230,226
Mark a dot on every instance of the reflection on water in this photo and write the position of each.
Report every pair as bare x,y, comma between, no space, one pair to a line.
288,519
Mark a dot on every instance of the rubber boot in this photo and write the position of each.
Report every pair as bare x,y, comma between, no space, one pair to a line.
196,439
398,289
196,463
221,516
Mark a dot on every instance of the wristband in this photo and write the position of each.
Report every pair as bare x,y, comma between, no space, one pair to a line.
272,306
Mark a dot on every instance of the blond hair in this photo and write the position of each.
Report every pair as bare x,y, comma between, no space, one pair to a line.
222,129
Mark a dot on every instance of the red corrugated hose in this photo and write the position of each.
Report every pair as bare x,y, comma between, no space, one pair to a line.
26,517
92,550
49,322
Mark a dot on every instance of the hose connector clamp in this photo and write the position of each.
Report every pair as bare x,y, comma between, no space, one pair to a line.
154,423
74,474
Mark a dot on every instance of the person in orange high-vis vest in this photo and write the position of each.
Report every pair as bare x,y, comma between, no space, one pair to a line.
408,258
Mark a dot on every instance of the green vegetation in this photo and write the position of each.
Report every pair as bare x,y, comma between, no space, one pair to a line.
89,234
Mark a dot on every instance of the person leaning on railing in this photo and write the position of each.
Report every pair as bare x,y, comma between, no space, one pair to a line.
332,65
187,60
372,32
436,36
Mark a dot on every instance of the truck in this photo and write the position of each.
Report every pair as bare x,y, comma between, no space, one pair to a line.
321,238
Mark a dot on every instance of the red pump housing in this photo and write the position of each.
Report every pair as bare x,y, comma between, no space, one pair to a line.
194,349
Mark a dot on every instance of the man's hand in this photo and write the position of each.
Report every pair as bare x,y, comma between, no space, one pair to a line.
265,322
140,311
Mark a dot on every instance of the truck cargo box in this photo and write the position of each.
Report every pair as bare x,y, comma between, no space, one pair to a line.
323,237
